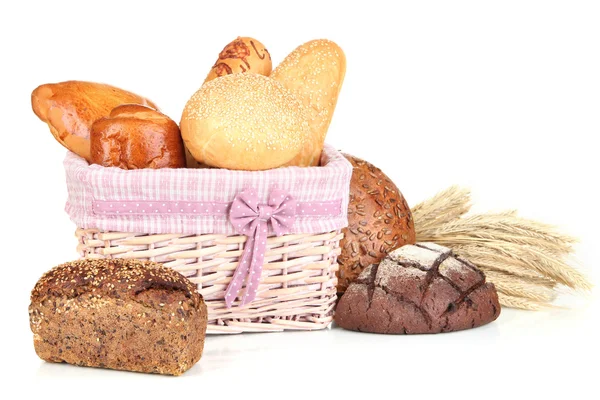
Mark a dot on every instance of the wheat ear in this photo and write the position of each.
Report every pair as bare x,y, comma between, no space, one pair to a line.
525,259
520,302
520,287
507,227
444,207
532,258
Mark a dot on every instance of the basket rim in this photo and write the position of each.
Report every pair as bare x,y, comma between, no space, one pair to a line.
330,158
93,186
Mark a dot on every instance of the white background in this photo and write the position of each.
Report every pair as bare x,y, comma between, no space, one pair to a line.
503,97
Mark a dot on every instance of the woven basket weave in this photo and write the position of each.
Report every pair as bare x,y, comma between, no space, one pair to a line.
298,283
181,218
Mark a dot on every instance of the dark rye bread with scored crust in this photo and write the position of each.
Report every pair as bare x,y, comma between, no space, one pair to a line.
422,288
118,314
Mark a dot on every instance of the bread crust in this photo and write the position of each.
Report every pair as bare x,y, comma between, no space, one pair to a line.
314,72
421,288
379,220
244,122
135,137
70,108
244,54
118,314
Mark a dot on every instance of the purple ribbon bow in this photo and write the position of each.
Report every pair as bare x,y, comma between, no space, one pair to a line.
252,219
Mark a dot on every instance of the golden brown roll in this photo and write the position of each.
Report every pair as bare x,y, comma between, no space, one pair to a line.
135,137
244,122
244,54
70,108
315,73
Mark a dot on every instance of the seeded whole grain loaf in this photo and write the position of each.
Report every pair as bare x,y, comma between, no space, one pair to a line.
379,220
118,314
422,288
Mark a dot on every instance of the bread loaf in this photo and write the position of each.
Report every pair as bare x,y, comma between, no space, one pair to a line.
135,137
379,221
244,122
421,288
244,54
70,108
314,72
118,314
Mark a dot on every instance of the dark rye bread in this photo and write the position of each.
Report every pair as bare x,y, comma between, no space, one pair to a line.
118,314
422,288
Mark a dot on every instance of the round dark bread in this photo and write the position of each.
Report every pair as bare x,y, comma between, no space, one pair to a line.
379,221
422,288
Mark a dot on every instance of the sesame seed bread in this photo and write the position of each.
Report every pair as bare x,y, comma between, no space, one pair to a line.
244,122
70,108
314,72
118,314
244,54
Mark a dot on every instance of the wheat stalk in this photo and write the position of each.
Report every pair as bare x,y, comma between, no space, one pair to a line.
525,259
534,279
482,236
506,226
499,265
532,258
446,206
520,287
520,302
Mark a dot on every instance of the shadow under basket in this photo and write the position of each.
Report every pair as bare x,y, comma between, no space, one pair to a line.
296,284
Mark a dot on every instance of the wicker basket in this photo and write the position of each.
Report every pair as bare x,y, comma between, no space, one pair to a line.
297,285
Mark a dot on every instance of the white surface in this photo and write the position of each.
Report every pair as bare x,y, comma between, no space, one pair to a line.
502,97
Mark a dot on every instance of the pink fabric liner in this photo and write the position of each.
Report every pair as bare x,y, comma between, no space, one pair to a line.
103,207
92,189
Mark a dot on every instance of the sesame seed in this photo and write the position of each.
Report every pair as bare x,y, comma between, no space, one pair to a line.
236,103
97,279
